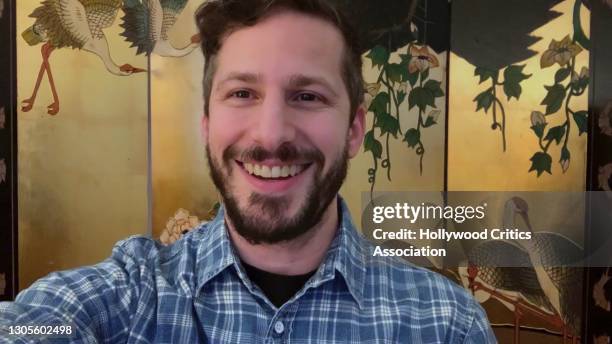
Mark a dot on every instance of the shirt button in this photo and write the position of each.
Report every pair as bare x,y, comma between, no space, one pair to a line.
279,327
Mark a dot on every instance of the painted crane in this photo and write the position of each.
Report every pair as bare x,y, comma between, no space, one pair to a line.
76,24
147,23
502,270
552,255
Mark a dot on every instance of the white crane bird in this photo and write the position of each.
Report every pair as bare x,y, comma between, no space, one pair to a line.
77,24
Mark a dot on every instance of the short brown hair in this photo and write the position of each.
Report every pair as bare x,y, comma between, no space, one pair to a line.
217,18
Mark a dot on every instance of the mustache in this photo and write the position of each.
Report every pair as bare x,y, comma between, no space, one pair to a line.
286,152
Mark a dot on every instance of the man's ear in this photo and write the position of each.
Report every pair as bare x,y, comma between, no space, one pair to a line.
204,128
356,132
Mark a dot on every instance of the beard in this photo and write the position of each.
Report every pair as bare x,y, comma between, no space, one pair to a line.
263,219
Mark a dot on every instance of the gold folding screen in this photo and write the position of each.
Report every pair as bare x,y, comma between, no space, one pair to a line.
89,173
82,172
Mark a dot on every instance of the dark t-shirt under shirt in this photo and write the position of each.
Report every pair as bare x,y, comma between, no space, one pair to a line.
278,288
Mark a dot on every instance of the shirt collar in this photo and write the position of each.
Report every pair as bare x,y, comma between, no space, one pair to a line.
345,255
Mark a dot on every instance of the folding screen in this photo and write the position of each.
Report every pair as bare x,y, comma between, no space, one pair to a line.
465,95
82,134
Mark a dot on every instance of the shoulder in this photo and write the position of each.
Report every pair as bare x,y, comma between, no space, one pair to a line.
419,295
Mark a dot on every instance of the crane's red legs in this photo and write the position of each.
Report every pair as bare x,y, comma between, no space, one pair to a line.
27,104
52,109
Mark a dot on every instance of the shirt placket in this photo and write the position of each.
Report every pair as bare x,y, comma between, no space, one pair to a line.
279,327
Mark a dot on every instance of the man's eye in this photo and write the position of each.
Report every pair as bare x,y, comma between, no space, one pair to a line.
242,94
307,97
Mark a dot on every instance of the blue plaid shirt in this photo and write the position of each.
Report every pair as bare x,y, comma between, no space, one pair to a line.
196,291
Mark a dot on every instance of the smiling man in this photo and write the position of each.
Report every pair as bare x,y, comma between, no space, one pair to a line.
282,261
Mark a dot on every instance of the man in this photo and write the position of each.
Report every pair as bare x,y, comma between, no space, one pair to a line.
282,261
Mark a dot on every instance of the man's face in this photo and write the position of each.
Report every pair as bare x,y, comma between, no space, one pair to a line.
278,134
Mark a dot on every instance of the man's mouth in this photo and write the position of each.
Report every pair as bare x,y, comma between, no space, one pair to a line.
273,172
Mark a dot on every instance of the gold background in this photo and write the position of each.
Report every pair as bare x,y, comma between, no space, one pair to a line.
82,173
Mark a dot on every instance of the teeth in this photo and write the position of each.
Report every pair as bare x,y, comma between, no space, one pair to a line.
266,172
273,171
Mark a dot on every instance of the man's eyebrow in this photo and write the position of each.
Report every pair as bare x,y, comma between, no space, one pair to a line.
246,77
301,80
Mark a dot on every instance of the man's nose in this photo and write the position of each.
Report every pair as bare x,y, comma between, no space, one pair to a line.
274,125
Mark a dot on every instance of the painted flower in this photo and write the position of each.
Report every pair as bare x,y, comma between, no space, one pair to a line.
2,117
565,163
584,73
537,118
178,225
605,120
421,59
2,171
560,52
403,86
433,114
605,172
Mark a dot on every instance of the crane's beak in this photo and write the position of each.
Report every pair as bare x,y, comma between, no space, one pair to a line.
128,68
196,39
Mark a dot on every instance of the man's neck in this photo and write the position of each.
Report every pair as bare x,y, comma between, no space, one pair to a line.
296,257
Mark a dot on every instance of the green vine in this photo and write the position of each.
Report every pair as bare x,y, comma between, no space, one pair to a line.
388,94
558,101
488,99
568,83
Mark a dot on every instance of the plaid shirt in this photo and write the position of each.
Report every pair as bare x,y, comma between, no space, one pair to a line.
196,291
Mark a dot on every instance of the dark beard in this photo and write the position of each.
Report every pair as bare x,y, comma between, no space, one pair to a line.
273,227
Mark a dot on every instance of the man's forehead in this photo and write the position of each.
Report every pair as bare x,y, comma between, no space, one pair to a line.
295,80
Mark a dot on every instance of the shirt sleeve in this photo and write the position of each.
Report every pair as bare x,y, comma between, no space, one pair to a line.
95,302
480,331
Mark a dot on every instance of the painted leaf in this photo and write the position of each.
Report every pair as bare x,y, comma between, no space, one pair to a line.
370,143
435,87
512,90
485,74
538,129
412,137
379,103
425,74
555,133
541,162
554,98
412,78
397,72
429,121
421,97
581,119
484,100
401,96
513,76
388,124
379,56
562,74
